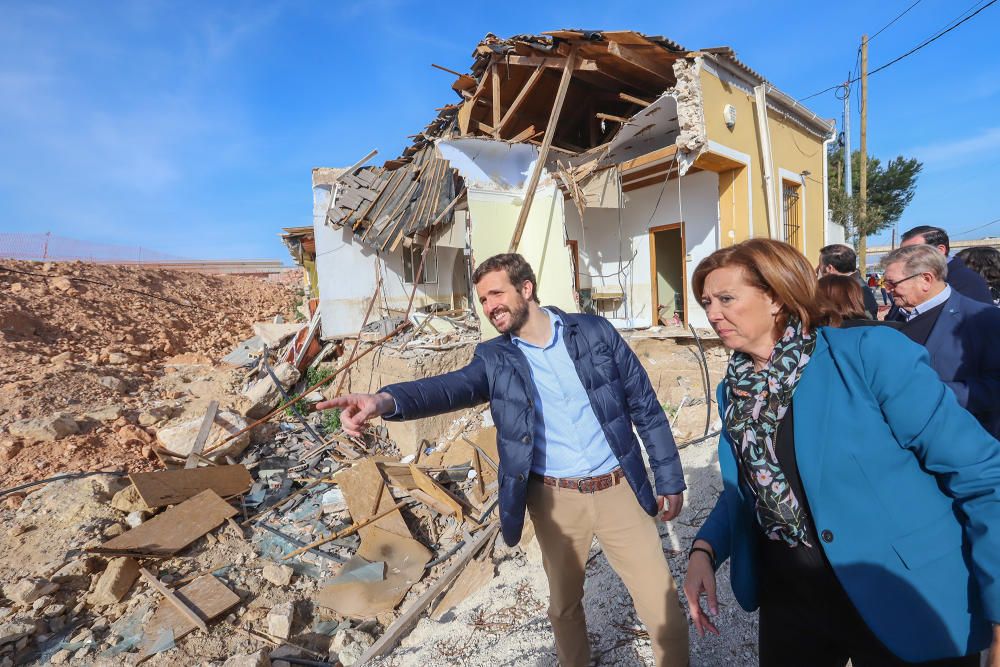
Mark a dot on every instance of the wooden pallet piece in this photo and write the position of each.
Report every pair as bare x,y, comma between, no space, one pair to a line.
179,526
170,487
208,597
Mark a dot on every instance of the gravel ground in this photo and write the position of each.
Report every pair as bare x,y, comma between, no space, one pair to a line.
504,623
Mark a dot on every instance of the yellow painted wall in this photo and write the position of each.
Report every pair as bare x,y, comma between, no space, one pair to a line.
794,149
543,244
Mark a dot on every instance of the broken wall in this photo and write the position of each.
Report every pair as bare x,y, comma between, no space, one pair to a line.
598,238
495,175
347,272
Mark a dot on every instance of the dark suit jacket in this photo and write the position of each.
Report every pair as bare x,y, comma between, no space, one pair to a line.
964,347
968,282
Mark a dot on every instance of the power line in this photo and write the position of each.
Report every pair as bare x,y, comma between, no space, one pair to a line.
926,42
899,16
992,222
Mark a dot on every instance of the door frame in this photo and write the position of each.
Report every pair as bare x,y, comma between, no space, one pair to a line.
653,275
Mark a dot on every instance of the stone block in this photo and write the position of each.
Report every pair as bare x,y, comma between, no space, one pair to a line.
258,659
178,438
279,575
115,581
45,429
279,620
264,396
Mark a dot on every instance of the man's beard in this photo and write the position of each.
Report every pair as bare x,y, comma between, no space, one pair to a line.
518,315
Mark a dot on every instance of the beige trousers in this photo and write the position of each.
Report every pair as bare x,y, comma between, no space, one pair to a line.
566,522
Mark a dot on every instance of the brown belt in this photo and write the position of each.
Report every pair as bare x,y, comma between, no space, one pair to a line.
583,484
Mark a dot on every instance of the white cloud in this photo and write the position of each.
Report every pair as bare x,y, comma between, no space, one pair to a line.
960,151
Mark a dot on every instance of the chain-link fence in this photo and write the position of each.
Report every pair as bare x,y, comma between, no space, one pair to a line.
48,247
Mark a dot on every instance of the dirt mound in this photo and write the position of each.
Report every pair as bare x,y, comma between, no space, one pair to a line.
90,341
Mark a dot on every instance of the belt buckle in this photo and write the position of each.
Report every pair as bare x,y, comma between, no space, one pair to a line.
579,484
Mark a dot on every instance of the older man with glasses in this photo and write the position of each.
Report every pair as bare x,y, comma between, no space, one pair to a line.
960,334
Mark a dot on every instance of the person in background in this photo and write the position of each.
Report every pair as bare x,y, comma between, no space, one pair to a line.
960,334
985,261
861,503
844,296
568,396
840,259
960,277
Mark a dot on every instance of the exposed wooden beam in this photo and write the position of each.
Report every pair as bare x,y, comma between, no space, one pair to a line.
643,59
634,100
543,152
649,158
525,134
449,71
495,79
519,100
607,116
583,65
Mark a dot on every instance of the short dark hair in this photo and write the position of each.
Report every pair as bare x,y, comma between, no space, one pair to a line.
844,296
841,257
517,268
934,236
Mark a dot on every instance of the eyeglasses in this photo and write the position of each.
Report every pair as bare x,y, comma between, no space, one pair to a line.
893,284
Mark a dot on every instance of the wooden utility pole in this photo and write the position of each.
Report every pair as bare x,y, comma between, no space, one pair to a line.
863,236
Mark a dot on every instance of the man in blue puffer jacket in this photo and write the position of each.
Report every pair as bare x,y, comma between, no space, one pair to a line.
565,392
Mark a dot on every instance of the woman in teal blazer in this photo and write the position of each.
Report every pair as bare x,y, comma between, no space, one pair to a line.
860,509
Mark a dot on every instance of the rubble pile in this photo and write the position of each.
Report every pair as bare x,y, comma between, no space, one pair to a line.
83,346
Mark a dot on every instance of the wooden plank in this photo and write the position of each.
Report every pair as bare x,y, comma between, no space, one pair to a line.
659,155
527,133
432,502
199,442
634,100
360,485
472,578
522,95
495,81
408,619
169,487
543,153
647,60
206,595
170,597
580,64
434,490
179,526
607,116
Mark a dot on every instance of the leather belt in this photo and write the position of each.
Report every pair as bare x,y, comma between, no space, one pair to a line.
583,484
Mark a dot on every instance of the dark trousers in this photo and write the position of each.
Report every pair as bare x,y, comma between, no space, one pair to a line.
826,632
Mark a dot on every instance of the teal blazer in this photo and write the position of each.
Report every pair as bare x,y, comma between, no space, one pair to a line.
903,484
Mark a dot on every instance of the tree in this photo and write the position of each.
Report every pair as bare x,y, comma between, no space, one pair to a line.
890,190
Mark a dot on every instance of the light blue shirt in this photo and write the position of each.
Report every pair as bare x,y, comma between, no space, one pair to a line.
930,303
569,441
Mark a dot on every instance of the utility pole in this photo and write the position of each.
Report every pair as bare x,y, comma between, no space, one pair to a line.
862,236
848,185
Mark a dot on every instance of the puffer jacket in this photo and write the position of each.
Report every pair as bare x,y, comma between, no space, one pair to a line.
617,386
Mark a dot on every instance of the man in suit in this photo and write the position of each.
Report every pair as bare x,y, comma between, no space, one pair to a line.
565,392
960,334
840,259
960,277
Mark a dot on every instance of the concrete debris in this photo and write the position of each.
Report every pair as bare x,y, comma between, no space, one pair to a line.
258,659
263,395
178,438
128,500
115,582
279,620
279,575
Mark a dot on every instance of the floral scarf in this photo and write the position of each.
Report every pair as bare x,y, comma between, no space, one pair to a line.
757,403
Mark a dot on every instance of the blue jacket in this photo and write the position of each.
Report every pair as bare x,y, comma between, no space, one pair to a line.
964,346
907,483
618,388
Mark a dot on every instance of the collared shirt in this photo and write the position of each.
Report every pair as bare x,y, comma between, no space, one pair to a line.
929,304
569,440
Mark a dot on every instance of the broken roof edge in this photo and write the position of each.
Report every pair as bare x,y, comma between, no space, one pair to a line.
781,100
326,175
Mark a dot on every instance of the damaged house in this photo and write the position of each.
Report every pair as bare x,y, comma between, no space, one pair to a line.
613,161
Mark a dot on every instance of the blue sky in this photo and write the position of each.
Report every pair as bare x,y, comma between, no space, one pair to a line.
191,127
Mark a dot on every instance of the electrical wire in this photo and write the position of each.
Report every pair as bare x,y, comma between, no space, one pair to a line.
898,16
991,222
954,24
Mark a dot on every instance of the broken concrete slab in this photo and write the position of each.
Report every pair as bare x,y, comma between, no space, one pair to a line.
179,438
264,396
276,334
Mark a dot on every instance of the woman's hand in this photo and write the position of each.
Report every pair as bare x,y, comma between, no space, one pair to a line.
701,578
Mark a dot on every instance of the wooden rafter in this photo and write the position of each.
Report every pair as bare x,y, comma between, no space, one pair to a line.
519,100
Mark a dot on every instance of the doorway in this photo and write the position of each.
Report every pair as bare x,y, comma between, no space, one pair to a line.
669,276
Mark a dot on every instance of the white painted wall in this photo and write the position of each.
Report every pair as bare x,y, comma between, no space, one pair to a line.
697,204
347,271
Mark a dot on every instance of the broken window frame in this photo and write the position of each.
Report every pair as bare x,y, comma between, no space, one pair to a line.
411,261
